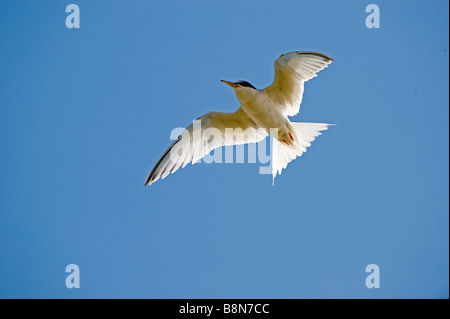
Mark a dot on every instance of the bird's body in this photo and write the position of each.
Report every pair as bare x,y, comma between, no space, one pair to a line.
262,112
266,112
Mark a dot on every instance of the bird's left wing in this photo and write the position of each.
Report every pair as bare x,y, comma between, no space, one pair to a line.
292,70
208,132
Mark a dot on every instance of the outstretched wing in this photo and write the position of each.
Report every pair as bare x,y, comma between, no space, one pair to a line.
292,70
208,132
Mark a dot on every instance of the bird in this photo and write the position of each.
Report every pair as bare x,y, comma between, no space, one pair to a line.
262,112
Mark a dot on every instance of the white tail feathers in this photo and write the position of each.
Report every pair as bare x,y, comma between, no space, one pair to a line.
282,154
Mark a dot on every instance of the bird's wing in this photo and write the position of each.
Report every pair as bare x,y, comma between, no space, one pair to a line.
208,132
292,70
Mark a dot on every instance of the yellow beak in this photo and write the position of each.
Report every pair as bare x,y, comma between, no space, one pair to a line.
233,85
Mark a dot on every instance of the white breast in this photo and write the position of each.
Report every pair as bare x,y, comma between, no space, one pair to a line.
263,110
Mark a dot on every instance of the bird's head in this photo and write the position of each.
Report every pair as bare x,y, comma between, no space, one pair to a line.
243,89
239,84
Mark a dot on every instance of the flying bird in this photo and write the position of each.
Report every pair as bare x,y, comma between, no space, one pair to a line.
261,112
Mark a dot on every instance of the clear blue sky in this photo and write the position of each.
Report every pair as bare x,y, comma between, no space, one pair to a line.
85,113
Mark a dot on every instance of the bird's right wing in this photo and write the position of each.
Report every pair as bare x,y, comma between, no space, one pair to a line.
292,70
208,132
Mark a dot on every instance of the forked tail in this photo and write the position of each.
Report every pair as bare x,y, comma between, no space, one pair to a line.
282,154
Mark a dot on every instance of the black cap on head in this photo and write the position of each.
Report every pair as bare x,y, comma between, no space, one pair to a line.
245,84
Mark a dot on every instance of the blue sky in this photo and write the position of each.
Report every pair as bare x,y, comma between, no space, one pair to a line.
85,113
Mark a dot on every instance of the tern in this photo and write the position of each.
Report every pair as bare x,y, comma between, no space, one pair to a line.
262,112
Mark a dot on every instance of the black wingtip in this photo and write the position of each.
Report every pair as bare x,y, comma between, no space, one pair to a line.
147,181
316,53
151,177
